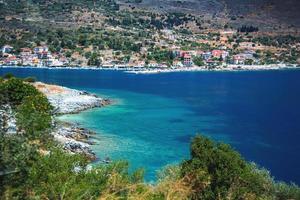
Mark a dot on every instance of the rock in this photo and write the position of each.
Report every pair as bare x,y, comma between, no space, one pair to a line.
76,147
68,101
74,139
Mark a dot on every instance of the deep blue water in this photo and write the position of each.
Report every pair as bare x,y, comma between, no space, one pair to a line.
155,116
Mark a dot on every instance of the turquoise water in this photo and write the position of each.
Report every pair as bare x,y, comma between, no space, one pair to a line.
154,117
148,130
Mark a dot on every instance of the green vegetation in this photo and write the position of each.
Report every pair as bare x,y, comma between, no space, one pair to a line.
34,116
14,91
161,56
33,166
198,61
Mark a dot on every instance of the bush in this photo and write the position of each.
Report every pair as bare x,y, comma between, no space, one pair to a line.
216,171
15,90
34,116
198,61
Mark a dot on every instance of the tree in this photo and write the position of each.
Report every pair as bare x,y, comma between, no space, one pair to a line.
15,90
34,117
94,60
216,171
198,61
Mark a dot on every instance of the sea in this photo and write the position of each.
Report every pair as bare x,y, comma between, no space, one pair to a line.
154,117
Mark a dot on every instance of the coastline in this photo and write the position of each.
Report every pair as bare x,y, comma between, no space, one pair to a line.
229,68
72,137
154,70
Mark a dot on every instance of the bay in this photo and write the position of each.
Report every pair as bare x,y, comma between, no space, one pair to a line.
154,116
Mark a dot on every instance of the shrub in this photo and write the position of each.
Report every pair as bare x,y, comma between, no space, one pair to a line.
34,116
216,171
15,90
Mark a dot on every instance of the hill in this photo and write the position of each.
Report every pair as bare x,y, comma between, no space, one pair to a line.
268,15
260,13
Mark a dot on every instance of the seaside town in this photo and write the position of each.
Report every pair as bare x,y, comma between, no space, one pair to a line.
160,53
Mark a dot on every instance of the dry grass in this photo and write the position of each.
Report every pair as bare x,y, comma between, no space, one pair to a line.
49,89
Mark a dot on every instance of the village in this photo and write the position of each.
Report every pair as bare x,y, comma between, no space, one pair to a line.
165,50
41,56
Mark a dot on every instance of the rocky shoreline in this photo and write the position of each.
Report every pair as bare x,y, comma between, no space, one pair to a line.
72,137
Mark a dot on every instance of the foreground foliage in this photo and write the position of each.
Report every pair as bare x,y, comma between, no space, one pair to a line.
33,166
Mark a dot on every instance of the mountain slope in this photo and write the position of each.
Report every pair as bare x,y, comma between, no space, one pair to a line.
254,11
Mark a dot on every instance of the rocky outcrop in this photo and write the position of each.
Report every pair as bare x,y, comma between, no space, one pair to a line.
68,101
74,139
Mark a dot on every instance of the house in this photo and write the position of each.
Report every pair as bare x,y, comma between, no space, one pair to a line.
219,54
64,60
206,55
177,63
249,54
191,53
25,52
6,49
163,65
176,53
35,60
239,59
41,49
12,60
199,53
211,63
152,64
187,60
42,52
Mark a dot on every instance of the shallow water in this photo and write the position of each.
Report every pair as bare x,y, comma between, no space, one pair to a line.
155,116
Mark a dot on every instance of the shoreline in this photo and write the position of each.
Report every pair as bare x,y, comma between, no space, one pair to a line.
72,137
149,70
231,68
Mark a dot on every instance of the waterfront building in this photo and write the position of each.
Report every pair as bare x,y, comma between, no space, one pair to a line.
219,54
6,49
239,59
177,63
206,55
187,60
25,52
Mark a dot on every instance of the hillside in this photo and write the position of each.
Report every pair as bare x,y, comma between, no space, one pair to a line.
266,14
143,32
259,13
